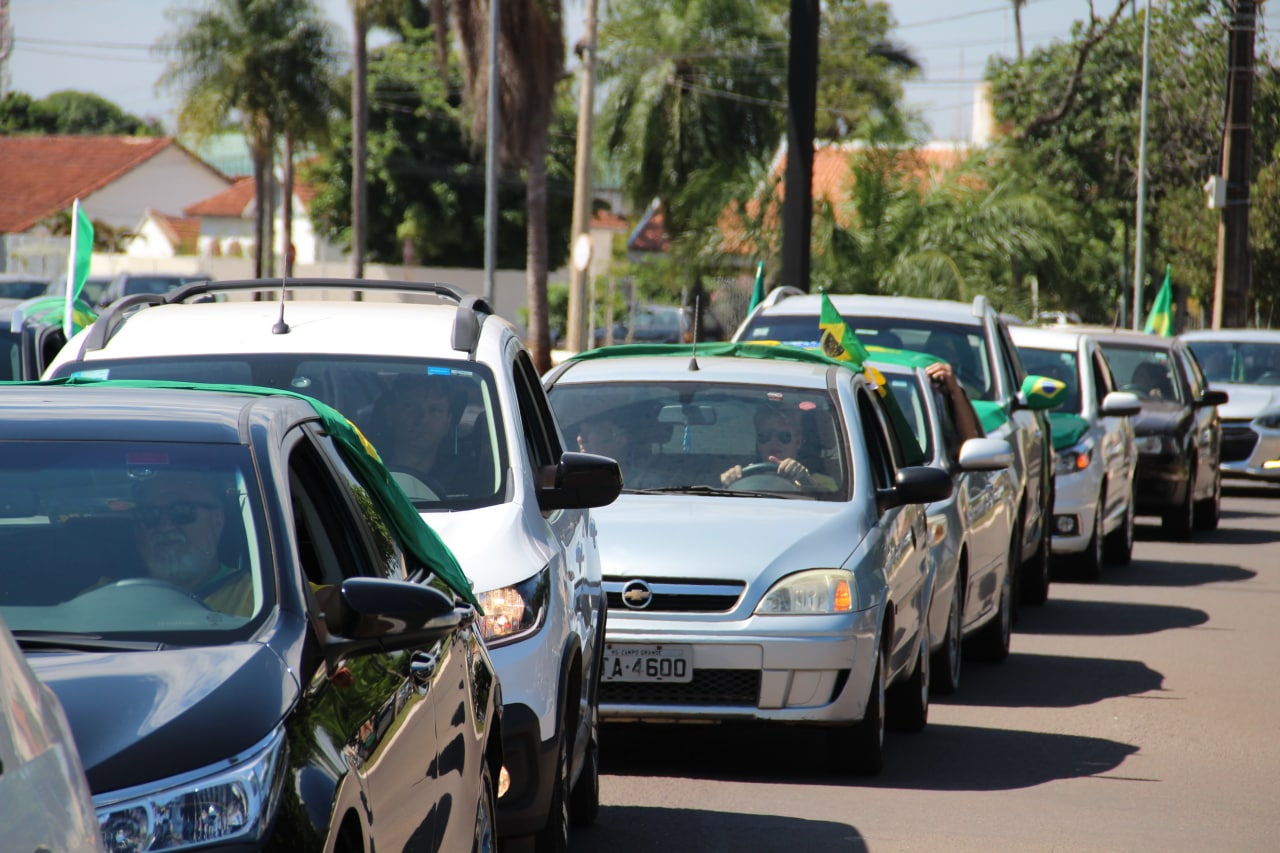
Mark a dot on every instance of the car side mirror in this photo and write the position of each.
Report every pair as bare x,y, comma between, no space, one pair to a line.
581,481
1119,404
1212,397
918,484
381,614
985,454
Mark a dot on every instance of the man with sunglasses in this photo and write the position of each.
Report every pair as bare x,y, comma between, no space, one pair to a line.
179,518
780,440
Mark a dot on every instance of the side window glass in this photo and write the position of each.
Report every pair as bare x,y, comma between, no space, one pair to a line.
878,453
536,421
1101,377
1194,376
950,434
1012,364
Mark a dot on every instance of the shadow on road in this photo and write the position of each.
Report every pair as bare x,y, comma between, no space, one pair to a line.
1164,573
1106,618
1052,681
639,829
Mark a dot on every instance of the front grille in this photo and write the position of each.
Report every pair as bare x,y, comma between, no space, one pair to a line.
739,687
1238,442
676,595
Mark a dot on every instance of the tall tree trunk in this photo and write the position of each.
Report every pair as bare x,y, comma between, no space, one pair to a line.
441,29
259,209
539,341
1017,25
286,213
359,137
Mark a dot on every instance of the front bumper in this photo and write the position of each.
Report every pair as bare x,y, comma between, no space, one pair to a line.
1250,452
529,760
802,668
1075,505
1160,483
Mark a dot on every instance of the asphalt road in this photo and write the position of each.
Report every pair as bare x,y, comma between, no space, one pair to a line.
1138,713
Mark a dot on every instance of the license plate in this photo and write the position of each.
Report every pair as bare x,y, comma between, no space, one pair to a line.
647,663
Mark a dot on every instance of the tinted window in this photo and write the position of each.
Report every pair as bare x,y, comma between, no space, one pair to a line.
1146,371
907,392
1060,365
1238,361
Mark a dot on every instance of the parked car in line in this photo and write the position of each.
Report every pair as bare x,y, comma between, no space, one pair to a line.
649,324
90,293
446,375
21,286
768,559
257,641
45,802
1245,363
131,283
974,339
970,531
1095,455
1178,433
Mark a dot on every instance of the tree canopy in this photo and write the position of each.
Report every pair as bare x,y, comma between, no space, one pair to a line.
71,112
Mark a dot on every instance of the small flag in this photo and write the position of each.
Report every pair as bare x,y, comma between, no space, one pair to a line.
1160,320
757,295
77,263
837,341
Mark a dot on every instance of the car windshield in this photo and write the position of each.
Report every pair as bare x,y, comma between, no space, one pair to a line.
1056,364
434,423
161,542
689,436
1246,362
22,289
1145,371
961,345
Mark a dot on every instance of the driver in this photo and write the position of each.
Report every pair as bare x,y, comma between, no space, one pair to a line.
779,440
414,431
179,520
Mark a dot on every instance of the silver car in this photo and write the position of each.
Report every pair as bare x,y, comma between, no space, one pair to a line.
1246,364
1093,443
769,556
969,531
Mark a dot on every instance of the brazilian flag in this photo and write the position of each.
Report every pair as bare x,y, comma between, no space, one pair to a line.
837,341
1160,320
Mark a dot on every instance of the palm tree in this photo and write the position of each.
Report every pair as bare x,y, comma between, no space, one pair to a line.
229,63
531,59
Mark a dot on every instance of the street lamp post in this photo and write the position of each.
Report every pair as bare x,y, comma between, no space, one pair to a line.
1139,243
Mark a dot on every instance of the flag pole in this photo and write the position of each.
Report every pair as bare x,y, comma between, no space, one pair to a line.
71,272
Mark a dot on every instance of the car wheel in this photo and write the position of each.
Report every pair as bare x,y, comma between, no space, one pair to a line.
1178,522
554,837
860,747
1209,511
991,643
1117,547
1091,559
486,839
584,806
908,702
945,675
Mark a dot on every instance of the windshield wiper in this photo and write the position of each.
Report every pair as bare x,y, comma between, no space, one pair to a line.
71,642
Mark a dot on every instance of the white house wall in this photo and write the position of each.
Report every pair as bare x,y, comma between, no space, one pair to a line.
168,182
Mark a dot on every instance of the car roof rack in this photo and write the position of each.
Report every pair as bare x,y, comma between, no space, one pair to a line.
472,309
773,297
980,305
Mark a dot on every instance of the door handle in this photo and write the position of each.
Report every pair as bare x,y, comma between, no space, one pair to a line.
422,666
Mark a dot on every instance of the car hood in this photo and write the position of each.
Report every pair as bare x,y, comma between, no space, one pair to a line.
491,544
723,538
1246,402
139,717
1160,417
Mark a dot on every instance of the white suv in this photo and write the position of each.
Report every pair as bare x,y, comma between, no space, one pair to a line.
505,497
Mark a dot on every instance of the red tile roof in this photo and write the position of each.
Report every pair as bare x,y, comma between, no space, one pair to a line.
607,219
183,232
237,200
41,175
651,236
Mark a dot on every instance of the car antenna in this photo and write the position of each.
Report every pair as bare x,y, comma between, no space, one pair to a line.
693,353
281,327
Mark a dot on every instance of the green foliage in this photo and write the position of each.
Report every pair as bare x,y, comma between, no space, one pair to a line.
70,112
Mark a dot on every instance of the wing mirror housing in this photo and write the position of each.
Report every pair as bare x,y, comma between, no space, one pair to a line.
1119,404
381,614
1212,397
985,454
580,481
919,484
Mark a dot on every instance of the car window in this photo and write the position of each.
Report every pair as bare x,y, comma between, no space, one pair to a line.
878,452
691,434
1011,358
10,355
1102,379
154,540
907,392
1248,362
1146,371
541,435
1195,378
1060,365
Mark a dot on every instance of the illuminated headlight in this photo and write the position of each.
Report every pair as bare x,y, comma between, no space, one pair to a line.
1271,420
1073,459
515,611
814,591
1155,444
231,806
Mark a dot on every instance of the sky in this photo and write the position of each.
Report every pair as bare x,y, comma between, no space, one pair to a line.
103,46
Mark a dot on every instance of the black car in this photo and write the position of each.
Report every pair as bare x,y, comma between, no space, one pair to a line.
258,642
1178,433
27,346
130,283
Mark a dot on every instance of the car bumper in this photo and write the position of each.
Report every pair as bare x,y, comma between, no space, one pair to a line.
813,669
522,809
1160,483
1250,452
1075,505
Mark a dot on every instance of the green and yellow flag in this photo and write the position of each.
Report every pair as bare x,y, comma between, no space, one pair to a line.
838,341
757,293
1160,320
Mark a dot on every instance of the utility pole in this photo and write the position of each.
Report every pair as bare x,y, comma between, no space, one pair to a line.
491,156
580,228
6,46
802,98
1140,233
1234,274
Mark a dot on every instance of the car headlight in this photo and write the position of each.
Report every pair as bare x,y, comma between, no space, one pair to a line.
812,591
515,611
1271,420
1155,444
235,805
1072,459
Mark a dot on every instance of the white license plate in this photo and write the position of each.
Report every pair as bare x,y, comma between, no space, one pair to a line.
647,663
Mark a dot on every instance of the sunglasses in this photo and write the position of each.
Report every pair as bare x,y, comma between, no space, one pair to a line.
178,513
782,435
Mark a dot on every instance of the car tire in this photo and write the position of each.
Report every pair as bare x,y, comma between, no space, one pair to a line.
1177,523
908,702
1091,558
991,642
944,679
1117,547
1208,512
554,837
584,804
859,747
486,837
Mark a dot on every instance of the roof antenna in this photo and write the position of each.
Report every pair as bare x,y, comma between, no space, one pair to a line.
693,353
281,327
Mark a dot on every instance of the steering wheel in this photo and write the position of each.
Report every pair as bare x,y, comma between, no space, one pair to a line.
762,476
755,469
150,583
418,488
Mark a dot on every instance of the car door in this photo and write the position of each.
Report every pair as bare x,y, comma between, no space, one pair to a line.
1207,435
387,707
1029,438
1118,453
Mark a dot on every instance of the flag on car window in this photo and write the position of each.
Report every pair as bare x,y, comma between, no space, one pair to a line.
838,341
1160,320
77,263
